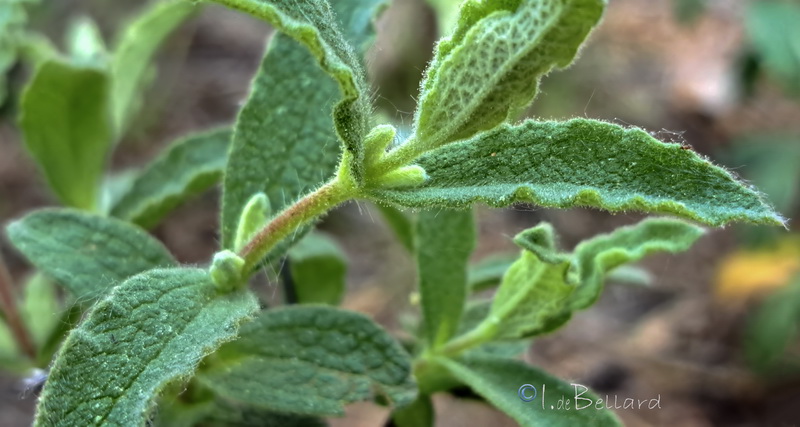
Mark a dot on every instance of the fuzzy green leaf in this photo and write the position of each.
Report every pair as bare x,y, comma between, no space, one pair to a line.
65,123
283,143
151,330
314,24
582,162
488,71
475,313
544,287
444,242
311,360
319,269
191,165
87,254
134,51
499,381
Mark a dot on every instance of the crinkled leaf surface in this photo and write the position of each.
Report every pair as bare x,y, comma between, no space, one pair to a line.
134,51
544,287
582,162
319,268
499,380
444,241
149,331
311,360
66,127
488,71
314,24
284,142
87,254
188,167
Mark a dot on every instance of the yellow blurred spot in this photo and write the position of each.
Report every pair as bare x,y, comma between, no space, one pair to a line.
746,274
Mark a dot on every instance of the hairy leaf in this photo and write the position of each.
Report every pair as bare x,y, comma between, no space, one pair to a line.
65,123
87,254
134,51
444,242
188,167
488,71
582,162
543,288
311,360
318,268
475,313
500,381
283,143
149,331
315,25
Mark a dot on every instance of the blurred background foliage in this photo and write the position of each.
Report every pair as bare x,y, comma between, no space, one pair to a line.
713,331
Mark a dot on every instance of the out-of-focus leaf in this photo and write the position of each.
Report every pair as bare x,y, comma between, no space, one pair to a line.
488,272
151,330
67,129
318,268
134,51
400,223
85,43
191,165
40,308
773,30
418,414
87,254
773,326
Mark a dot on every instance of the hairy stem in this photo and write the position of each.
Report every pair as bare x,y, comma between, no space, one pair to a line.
8,304
304,211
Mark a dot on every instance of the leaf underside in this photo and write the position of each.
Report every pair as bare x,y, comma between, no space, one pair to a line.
582,162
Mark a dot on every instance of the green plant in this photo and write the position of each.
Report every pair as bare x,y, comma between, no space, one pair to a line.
194,343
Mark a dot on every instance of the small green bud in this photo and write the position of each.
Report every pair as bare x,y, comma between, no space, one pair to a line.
407,176
254,215
376,143
226,270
